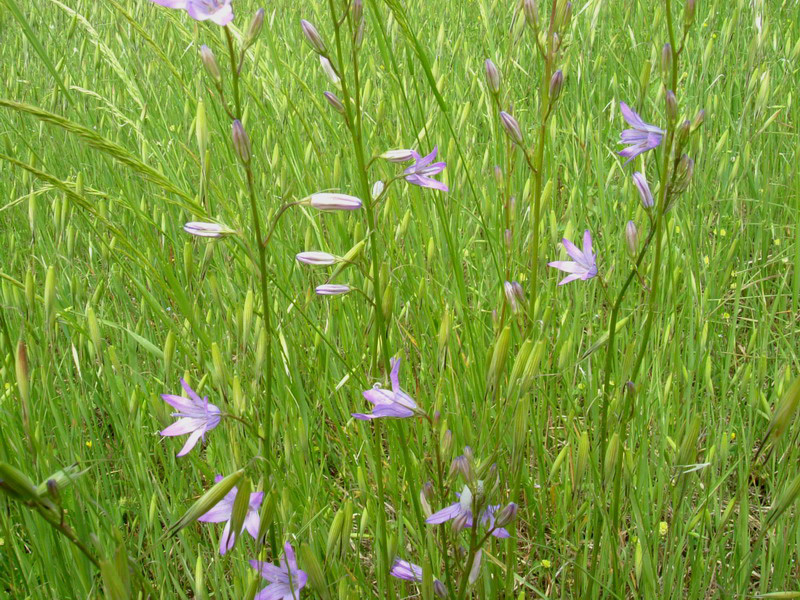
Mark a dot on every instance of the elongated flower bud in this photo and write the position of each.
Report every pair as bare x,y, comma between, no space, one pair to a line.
511,297
672,106
666,62
461,465
327,67
632,238
358,11
334,102
682,135
688,12
644,189
331,201
446,443
255,27
493,79
698,119
313,37
531,13
210,64
332,289
439,589
209,230
512,127
556,84
683,175
506,515
398,156
315,258
377,189
241,141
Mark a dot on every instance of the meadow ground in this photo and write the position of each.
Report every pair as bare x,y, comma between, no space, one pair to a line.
680,484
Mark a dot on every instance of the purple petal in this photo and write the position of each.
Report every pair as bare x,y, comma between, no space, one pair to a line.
427,182
252,523
501,533
569,278
394,375
424,162
631,116
270,572
192,394
567,266
217,11
394,410
587,245
183,426
190,443
275,591
179,402
446,514
171,3
290,557
362,416
219,513
227,540
573,251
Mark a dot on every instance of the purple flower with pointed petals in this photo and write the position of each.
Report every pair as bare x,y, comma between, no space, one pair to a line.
395,404
197,416
216,11
462,510
286,581
641,138
223,512
402,569
585,262
420,172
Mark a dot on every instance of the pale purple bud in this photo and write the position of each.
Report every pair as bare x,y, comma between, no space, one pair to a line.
439,589
556,84
334,102
509,237
682,135
672,106
512,127
313,257
531,13
498,176
632,238
475,571
209,230
398,156
241,141
332,289
493,79
377,189
688,12
567,15
255,27
447,443
460,522
358,10
644,189
511,297
698,119
666,62
313,37
684,173
210,63
330,72
331,201
461,465
506,515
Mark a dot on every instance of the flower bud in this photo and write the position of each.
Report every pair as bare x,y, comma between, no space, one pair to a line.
567,16
210,63
332,289
644,189
255,27
683,174
666,62
511,126
377,189
672,106
506,515
556,84
209,230
330,201
334,102
688,12
241,141
509,236
460,522
632,237
493,79
358,11
315,258
446,443
531,13
682,135
461,465
439,589
398,156
328,69
511,297
313,37
698,119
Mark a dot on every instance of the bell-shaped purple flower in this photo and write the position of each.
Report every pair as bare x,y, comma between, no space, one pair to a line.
461,513
395,403
197,416
223,511
584,263
286,580
641,137
420,172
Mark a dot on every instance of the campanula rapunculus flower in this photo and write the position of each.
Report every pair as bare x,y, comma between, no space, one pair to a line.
644,189
583,264
314,257
209,230
641,137
223,512
333,289
286,581
395,403
197,416
216,11
462,512
402,569
420,172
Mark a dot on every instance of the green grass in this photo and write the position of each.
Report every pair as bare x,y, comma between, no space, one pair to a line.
99,194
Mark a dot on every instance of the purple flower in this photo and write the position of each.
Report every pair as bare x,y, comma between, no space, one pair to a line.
402,569
644,189
462,511
642,137
332,289
395,404
223,511
197,416
419,173
216,11
585,262
286,581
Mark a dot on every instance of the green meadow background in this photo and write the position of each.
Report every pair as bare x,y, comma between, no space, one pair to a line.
95,198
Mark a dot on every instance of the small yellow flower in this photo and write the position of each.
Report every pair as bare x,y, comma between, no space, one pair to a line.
663,528
677,229
705,260
546,563
776,242
89,444
733,435
723,232
726,316
581,386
